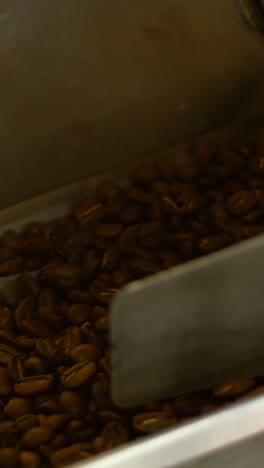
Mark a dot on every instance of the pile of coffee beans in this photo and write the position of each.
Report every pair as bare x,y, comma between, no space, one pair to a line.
55,405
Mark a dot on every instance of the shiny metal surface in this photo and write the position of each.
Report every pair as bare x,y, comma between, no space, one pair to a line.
191,327
232,438
89,85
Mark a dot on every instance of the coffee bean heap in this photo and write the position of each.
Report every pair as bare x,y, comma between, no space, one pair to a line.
55,405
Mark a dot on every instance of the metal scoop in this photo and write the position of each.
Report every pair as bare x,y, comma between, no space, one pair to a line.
190,328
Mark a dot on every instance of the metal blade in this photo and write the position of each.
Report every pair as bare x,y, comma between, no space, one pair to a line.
232,438
191,327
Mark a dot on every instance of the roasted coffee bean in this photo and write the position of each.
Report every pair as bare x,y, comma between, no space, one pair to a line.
73,336
235,388
78,314
36,328
15,368
25,311
242,202
90,335
5,383
30,386
29,460
46,404
7,337
7,321
7,352
152,422
86,352
89,211
63,277
17,407
101,395
34,366
67,455
72,403
58,420
9,457
12,293
77,296
25,343
52,316
109,231
114,434
212,243
25,423
37,436
78,375
7,435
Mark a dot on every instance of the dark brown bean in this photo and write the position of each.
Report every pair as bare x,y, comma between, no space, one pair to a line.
8,458
5,383
25,423
86,352
29,460
34,366
152,422
37,436
114,434
7,321
108,231
241,203
17,407
15,368
78,375
235,388
78,314
72,403
66,455
30,386
212,243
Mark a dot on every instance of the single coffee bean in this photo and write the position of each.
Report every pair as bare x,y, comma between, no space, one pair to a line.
78,375
29,460
72,403
7,435
17,407
15,368
66,455
78,314
7,321
34,366
212,243
46,403
37,436
7,337
30,386
235,388
7,352
8,457
58,420
25,311
89,211
134,213
86,352
58,442
152,422
108,231
71,337
241,203
114,434
5,383
36,328
78,296
25,423
25,343
63,277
